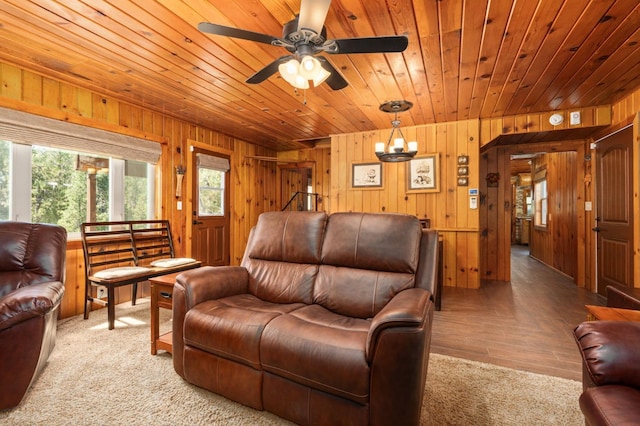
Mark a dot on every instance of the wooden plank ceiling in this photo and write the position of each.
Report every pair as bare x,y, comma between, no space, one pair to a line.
466,59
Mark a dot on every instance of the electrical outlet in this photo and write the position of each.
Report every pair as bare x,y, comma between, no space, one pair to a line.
101,292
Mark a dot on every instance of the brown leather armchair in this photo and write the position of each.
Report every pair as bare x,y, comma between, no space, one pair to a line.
32,266
611,372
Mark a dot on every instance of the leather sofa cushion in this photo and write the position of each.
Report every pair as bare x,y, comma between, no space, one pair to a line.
362,268
362,241
356,292
232,327
280,282
611,405
282,256
281,237
320,349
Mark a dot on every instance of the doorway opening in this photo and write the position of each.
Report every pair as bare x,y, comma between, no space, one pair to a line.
296,187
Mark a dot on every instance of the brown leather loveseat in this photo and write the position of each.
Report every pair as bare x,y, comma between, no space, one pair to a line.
32,266
611,372
326,321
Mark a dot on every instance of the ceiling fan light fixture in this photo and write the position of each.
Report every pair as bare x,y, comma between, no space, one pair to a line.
320,77
300,82
289,70
309,67
299,74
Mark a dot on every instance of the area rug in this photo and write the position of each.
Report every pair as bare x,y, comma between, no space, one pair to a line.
100,377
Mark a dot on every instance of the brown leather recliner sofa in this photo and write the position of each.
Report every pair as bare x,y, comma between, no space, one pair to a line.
326,321
32,266
611,372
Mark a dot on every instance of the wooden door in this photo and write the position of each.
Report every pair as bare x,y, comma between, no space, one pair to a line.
614,219
210,208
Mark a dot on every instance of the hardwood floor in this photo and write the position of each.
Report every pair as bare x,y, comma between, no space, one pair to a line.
525,324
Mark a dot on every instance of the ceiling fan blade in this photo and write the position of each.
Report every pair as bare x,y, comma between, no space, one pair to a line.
207,27
312,14
382,44
336,81
268,71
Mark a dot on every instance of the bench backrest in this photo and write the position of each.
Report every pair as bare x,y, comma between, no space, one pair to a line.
152,240
107,245
125,243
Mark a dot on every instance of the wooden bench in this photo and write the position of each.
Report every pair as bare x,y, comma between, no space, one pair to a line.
126,252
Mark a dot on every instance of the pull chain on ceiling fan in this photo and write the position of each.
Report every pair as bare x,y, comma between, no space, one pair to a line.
304,37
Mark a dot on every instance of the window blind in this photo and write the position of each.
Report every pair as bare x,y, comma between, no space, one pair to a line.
30,129
211,162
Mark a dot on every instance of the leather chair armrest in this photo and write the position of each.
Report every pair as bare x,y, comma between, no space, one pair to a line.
610,351
29,301
407,309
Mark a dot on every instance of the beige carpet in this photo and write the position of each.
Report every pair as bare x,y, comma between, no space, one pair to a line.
100,377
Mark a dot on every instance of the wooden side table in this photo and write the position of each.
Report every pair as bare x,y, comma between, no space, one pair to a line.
605,313
161,297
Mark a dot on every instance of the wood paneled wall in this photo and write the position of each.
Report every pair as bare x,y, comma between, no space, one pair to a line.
447,209
254,181
556,245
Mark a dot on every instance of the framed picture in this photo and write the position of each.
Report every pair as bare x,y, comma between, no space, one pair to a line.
366,175
423,173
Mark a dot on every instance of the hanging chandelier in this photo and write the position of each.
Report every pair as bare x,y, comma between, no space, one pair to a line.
397,149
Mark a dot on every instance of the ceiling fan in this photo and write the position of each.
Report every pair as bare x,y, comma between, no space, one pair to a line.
305,37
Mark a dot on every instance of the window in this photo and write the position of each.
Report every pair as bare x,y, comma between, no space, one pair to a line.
211,177
50,185
59,172
540,197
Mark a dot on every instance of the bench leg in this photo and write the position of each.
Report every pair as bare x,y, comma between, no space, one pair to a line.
134,293
111,307
87,299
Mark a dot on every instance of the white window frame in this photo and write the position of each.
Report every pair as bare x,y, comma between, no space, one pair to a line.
21,177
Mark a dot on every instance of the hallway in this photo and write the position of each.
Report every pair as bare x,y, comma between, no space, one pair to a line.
526,324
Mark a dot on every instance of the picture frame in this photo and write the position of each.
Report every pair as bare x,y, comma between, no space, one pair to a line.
423,173
366,176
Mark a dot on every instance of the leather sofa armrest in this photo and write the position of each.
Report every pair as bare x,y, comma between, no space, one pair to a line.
29,301
212,282
407,309
610,351
196,286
